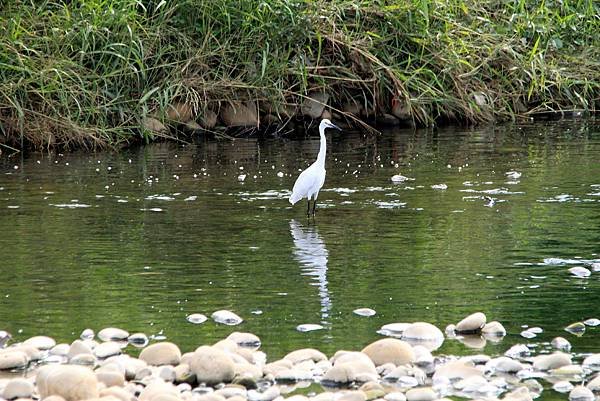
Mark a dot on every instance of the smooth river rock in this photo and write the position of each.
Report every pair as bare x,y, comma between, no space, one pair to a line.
425,334
504,364
138,340
10,359
393,329
110,378
107,349
79,347
113,334
421,394
68,381
390,350
244,339
581,393
306,327
494,328
226,317
592,362
552,361
580,272
40,342
164,353
60,349
561,343
594,384
87,334
212,365
471,324
576,328
157,389
305,354
366,312
18,388
196,318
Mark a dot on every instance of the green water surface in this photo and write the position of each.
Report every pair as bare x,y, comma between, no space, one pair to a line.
141,239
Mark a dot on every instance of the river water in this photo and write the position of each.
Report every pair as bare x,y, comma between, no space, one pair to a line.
140,239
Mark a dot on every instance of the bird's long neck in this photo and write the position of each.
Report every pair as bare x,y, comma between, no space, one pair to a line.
322,149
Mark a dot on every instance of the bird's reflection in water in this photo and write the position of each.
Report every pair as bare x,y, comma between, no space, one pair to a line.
310,251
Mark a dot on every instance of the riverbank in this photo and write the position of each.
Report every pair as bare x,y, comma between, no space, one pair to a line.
113,73
114,365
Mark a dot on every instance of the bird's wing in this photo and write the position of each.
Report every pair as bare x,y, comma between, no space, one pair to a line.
307,180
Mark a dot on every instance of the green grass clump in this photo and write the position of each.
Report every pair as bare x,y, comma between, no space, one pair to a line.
86,73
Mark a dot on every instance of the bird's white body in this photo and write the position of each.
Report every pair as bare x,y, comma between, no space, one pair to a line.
309,183
311,180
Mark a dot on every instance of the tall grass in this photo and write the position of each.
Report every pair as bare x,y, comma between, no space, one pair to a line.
86,73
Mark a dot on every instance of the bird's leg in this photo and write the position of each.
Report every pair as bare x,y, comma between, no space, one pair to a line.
308,208
314,207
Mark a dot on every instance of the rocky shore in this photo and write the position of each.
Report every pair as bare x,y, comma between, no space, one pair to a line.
402,366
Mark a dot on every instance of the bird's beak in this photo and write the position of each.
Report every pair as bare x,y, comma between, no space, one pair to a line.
332,125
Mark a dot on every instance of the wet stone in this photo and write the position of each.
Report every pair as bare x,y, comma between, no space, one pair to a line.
561,343
60,349
226,317
562,386
494,328
592,362
572,371
138,339
592,322
212,365
40,342
424,332
303,328
305,354
576,328
394,396
552,361
528,334
581,393
113,334
110,378
107,349
83,359
87,334
579,271
13,360
471,324
163,353
594,384
268,395
366,312
196,318
393,329
70,382
390,350
518,351
244,339
352,396
505,365
18,388
421,394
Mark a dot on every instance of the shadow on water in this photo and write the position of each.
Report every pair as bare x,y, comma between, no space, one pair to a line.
311,253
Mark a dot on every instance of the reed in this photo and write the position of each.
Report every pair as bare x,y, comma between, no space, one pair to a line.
87,73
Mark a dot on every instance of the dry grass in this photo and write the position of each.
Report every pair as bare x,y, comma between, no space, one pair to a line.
84,74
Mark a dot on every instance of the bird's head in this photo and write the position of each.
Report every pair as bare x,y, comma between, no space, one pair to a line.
325,123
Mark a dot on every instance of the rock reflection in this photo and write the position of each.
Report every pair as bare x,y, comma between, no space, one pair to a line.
310,251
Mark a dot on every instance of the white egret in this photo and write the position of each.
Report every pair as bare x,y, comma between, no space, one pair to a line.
311,180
